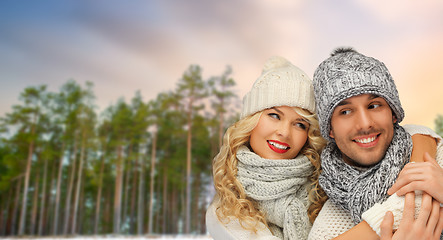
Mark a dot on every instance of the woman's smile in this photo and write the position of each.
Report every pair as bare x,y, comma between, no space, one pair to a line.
277,146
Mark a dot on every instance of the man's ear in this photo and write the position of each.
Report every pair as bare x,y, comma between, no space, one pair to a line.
394,119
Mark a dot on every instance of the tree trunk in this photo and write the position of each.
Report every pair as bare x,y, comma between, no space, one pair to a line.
195,222
35,203
43,201
79,227
48,227
107,212
7,212
126,185
58,191
141,199
79,182
133,196
188,172
70,187
118,190
3,210
151,184
203,218
175,209
165,198
157,227
16,206
99,194
22,225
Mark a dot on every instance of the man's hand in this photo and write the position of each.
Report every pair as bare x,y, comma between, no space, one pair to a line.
426,176
428,225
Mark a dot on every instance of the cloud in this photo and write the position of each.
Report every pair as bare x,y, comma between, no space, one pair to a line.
399,11
147,45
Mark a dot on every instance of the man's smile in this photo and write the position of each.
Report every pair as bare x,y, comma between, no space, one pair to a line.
367,141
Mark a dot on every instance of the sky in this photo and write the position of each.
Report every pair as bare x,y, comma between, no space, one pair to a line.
128,46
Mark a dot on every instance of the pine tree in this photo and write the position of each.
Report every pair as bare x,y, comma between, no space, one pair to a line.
191,89
26,118
221,90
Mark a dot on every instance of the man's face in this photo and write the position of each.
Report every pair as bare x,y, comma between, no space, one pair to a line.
362,127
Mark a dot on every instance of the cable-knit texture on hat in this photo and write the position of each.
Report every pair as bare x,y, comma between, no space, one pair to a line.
347,74
280,84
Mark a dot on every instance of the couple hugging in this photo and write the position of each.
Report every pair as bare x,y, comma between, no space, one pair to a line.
326,159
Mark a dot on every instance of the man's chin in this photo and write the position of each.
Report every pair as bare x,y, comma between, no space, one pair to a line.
363,162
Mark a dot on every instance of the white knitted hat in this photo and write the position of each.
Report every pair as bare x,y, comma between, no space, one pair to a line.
280,84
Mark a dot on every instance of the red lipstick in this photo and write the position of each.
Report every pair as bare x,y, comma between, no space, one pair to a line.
277,146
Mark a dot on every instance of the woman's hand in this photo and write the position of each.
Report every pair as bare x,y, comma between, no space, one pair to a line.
426,176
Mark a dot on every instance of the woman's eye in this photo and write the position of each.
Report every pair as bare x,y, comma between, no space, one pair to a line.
302,126
274,115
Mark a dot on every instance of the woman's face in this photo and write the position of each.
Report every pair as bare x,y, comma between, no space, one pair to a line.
280,133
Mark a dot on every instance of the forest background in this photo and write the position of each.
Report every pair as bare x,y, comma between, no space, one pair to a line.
112,111
138,167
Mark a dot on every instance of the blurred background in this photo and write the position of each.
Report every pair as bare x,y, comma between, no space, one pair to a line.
111,111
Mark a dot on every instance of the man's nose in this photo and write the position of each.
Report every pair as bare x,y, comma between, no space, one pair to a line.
364,120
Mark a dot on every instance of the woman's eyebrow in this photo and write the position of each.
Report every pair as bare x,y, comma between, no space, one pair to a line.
277,110
302,120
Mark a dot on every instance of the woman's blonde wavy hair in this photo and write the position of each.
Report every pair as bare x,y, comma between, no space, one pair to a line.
231,199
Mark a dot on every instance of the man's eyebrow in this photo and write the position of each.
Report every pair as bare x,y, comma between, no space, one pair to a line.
370,97
373,96
344,102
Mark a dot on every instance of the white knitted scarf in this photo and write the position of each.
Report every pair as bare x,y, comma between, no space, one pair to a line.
280,187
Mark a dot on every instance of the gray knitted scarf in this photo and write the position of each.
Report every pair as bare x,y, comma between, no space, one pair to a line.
357,189
280,187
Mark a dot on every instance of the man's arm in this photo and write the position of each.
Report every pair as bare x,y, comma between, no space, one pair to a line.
421,144
360,231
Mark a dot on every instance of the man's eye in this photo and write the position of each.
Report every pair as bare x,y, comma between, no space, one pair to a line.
345,112
372,106
274,115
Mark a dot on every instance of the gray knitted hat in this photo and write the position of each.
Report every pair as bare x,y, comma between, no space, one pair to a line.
280,84
348,73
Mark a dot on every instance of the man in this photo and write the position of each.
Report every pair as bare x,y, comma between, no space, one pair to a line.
359,113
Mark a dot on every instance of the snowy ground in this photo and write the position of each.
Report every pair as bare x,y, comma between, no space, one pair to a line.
147,237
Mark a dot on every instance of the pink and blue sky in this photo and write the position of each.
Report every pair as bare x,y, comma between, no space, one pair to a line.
125,46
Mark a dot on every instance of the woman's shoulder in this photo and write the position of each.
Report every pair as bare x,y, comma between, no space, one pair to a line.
231,229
